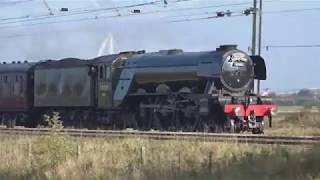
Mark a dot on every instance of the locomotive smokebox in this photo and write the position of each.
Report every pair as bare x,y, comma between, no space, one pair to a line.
237,70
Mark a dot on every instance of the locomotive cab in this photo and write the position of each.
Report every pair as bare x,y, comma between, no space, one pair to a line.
104,86
109,71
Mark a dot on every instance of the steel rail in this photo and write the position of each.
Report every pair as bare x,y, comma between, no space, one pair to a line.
158,135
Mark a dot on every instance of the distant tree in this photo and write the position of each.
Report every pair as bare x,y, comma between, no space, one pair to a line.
272,94
305,93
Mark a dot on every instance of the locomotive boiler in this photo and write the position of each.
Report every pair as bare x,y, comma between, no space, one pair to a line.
229,70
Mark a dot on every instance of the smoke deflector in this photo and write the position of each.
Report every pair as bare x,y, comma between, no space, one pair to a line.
260,70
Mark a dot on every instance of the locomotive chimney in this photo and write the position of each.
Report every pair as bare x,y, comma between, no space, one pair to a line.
227,47
171,51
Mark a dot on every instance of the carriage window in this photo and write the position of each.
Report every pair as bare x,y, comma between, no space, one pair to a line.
22,84
5,78
101,72
108,72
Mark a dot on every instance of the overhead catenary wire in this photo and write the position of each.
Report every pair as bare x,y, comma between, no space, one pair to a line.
206,18
14,18
222,5
86,11
88,19
155,12
151,12
268,47
42,17
67,20
207,13
265,12
28,18
81,11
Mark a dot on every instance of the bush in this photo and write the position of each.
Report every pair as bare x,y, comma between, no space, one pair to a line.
53,121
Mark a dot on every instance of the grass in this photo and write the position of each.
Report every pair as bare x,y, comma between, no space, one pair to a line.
60,157
305,122
284,109
290,108
57,157
294,131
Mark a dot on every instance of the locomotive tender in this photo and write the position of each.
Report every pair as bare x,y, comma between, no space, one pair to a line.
166,90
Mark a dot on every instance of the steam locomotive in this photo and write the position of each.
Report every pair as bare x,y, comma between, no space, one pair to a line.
167,90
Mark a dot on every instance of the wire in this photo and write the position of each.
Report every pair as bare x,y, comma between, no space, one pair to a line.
130,6
13,18
265,12
153,12
268,47
201,7
67,20
198,14
204,18
42,17
81,12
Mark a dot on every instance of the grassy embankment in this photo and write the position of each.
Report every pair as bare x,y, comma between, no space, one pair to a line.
57,157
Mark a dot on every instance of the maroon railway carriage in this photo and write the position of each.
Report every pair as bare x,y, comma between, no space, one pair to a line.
15,92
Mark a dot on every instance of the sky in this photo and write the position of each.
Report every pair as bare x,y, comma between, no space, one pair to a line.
24,38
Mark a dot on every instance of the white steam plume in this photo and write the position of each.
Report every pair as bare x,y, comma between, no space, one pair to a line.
107,41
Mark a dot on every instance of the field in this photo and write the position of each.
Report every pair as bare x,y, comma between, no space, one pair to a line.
296,120
56,157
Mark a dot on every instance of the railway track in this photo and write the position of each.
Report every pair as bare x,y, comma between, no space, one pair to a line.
188,136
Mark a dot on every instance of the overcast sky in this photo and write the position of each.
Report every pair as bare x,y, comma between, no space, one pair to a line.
54,38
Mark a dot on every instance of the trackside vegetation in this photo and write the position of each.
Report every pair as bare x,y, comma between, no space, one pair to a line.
59,157
305,122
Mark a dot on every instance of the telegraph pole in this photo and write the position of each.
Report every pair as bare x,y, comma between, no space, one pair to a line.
260,39
254,33
255,10
254,28
260,28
